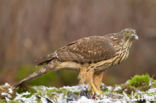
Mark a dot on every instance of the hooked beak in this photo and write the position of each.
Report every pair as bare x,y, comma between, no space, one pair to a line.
135,36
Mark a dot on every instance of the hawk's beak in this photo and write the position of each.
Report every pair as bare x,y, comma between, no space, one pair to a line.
135,36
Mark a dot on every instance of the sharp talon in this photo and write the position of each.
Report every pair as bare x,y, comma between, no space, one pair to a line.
99,92
95,90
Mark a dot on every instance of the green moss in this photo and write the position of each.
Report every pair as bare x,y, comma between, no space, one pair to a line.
140,80
77,93
52,92
38,100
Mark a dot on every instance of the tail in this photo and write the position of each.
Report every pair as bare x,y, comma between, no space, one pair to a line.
40,72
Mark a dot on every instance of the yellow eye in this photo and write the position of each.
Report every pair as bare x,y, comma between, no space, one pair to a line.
133,32
127,32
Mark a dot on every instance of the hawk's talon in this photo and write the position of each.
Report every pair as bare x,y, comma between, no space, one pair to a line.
95,90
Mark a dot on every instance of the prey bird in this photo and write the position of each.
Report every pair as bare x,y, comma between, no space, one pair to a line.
90,56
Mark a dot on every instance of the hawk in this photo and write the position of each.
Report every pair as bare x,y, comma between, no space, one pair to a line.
90,56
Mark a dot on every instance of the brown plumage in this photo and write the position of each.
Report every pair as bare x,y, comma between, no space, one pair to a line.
90,55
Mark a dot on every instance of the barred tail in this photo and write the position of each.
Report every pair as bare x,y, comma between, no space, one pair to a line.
38,73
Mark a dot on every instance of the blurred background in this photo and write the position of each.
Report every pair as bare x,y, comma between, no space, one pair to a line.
30,29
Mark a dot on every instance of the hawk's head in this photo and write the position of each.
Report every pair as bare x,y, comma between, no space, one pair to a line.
129,34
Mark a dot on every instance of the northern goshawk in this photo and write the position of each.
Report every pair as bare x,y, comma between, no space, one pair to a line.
90,56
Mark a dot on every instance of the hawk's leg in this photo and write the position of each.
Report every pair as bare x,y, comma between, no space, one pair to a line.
83,75
95,90
91,81
95,80
86,76
98,79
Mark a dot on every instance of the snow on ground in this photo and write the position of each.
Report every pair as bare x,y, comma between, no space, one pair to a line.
73,94
138,89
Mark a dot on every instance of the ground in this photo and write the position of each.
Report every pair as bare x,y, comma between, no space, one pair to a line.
140,88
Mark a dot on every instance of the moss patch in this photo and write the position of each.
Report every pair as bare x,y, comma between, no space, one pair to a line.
140,81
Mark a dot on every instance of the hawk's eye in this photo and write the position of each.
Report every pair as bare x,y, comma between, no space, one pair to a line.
127,32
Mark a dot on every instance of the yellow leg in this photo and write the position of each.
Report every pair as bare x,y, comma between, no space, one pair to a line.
98,79
94,88
83,75
88,76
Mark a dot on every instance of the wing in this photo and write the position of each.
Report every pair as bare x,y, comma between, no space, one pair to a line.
88,49
45,59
